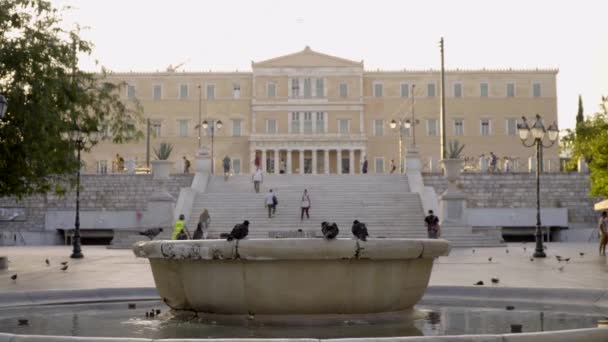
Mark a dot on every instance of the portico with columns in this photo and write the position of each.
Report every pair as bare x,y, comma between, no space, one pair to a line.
308,155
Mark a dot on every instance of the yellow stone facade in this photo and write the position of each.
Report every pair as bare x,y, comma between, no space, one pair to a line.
307,108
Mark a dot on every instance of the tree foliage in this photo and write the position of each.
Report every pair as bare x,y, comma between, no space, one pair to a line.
580,115
590,141
48,95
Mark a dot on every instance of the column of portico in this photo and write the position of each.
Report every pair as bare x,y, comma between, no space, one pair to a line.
251,159
277,166
314,161
351,161
301,162
263,166
338,161
326,161
288,162
362,159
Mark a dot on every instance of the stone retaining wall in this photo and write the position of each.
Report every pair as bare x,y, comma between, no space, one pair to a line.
98,192
518,190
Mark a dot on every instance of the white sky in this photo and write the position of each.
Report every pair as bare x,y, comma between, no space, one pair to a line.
148,35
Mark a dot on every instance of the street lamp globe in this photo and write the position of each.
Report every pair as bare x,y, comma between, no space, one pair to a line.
393,124
3,106
553,132
205,124
219,124
407,124
538,129
523,130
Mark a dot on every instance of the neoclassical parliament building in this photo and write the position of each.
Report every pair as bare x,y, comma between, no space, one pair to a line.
310,112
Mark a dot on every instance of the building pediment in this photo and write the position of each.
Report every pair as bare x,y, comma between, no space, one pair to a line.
306,58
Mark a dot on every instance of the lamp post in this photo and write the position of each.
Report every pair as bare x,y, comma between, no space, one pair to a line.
3,106
403,124
200,99
538,133
217,124
81,140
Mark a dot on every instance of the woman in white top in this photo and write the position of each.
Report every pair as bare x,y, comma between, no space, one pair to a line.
305,205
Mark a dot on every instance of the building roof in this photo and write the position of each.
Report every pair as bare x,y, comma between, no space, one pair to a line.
306,58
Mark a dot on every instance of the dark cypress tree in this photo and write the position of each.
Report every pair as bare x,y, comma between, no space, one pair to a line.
580,118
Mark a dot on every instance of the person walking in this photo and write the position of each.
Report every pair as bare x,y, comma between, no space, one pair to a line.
603,233
493,162
179,229
226,164
432,225
305,205
257,179
187,165
275,202
364,167
202,226
269,202
393,166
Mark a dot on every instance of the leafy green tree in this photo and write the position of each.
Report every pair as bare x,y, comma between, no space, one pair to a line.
597,144
48,95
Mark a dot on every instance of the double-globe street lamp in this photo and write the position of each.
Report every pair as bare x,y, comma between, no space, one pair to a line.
81,140
218,124
403,125
538,134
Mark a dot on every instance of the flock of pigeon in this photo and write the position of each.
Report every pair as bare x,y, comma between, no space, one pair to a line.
64,267
330,231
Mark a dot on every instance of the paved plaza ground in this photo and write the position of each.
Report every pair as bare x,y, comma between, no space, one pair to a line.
111,268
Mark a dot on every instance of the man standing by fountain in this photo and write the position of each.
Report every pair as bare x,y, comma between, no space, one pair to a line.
432,225
179,226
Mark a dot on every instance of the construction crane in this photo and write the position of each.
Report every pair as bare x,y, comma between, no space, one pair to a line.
172,68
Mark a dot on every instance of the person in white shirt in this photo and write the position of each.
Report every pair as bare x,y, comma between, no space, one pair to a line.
269,201
257,178
305,205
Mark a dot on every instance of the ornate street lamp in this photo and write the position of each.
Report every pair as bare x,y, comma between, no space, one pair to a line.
538,134
3,106
81,140
403,126
218,124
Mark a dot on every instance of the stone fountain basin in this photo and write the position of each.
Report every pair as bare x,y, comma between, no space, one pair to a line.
292,276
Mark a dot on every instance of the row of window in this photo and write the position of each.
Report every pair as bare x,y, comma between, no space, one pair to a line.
303,88
183,128
432,127
457,91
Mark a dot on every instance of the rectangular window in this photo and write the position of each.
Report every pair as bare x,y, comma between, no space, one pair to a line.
458,90
183,91
483,90
155,127
183,128
271,126
343,126
130,92
510,89
378,89
320,123
343,90
405,90
158,92
308,122
485,127
430,90
307,88
102,167
271,90
536,90
511,125
236,166
236,128
236,91
295,87
210,92
295,122
458,127
379,128
320,89
431,127
379,165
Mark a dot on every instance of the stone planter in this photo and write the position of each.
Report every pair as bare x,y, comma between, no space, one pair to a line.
292,276
452,169
160,169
